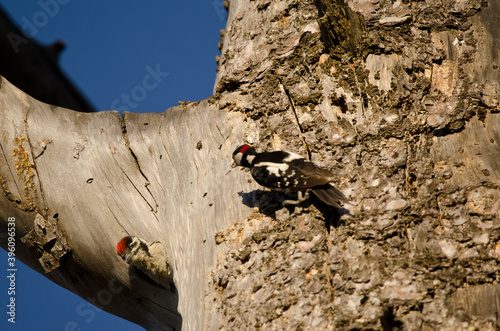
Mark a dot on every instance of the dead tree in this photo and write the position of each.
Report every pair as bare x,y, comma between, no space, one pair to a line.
399,99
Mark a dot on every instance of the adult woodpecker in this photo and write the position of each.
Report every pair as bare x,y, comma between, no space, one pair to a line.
151,259
288,172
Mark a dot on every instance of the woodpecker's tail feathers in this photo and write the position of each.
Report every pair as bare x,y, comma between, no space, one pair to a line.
330,195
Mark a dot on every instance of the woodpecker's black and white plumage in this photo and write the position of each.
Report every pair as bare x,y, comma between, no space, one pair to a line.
151,259
285,171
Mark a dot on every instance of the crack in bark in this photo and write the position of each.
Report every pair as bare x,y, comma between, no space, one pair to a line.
116,218
194,161
33,164
218,129
326,269
127,144
3,181
26,172
301,131
408,141
138,191
164,147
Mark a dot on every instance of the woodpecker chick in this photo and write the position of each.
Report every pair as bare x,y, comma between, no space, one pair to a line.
288,172
149,258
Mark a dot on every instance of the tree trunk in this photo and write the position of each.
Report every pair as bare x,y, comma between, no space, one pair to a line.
399,99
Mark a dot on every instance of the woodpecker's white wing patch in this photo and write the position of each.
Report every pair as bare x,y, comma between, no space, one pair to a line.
292,156
273,168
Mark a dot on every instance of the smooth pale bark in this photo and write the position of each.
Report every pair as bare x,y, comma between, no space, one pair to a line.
98,177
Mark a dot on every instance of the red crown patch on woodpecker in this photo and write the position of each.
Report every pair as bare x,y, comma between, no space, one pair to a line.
121,246
243,148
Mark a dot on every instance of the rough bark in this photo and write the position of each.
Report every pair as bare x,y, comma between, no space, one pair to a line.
407,115
400,99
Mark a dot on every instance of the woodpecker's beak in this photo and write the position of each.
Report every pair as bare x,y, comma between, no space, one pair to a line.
233,165
126,257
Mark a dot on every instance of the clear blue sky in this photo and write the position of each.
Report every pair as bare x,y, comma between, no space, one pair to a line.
110,48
